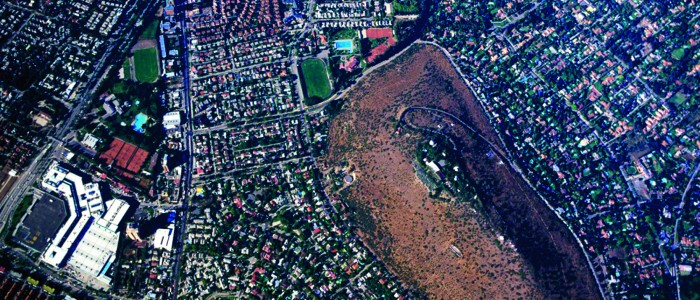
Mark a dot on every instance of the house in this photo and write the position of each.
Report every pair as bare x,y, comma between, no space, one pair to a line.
90,141
169,10
349,64
433,166
163,238
109,111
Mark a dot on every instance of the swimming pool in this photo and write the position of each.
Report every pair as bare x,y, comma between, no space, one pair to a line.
344,45
139,120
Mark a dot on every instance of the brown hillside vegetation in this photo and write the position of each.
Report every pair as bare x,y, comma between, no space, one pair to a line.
413,233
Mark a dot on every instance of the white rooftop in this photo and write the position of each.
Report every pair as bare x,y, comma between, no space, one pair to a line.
163,238
90,141
94,251
171,120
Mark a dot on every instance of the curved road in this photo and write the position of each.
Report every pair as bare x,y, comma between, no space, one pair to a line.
517,169
341,94
505,158
675,227
344,92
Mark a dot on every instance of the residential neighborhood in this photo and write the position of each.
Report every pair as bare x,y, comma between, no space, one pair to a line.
602,118
184,149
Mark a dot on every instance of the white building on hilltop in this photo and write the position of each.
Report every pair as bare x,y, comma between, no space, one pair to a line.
86,244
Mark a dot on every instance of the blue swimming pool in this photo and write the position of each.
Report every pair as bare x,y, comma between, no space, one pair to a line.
344,45
139,120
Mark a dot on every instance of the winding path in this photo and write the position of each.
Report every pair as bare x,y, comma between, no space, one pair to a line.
507,155
675,227
341,94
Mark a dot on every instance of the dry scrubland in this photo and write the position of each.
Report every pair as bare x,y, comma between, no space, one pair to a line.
400,223
411,232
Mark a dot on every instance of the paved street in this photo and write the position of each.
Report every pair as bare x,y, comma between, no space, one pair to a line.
187,172
42,161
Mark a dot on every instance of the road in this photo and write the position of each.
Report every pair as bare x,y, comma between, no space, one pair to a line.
517,169
15,195
249,122
230,173
54,149
343,93
189,132
675,228
298,87
187,173
42,161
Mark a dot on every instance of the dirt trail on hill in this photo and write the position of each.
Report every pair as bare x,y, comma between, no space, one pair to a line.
413,233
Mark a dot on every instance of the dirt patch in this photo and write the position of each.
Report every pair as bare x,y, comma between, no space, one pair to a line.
413,233
409,231
143,44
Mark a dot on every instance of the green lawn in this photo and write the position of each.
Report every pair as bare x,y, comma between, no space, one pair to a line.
343,34
678,98
150,31
690,285
599,86
500,23
316,83
127,69
144,99
678,53
17,215
146,64
406,7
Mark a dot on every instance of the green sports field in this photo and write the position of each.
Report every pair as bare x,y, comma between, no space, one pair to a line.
316,83
146,64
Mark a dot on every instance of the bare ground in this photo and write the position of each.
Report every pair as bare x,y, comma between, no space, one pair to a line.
411,232
143,44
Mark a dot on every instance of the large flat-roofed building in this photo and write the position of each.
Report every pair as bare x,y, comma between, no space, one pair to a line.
86,244
97,249
42,222
71,185
171,120
163,238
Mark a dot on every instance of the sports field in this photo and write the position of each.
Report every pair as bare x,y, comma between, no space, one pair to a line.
316,83
146,64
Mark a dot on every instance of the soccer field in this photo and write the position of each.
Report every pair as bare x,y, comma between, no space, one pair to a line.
316,82
146,64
